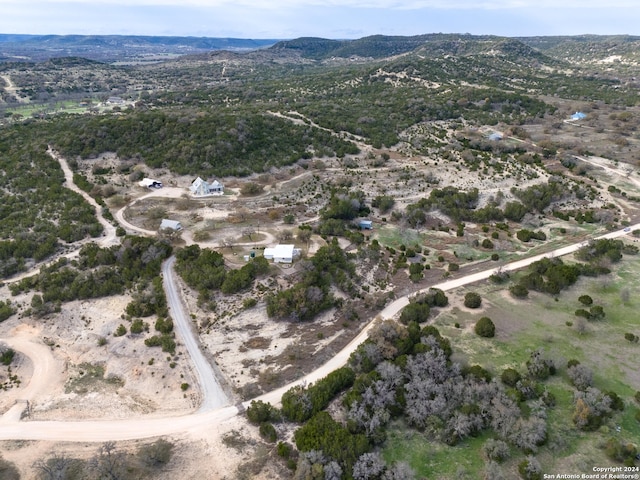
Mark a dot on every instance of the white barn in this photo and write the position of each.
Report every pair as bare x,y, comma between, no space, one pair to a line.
281,253
201,188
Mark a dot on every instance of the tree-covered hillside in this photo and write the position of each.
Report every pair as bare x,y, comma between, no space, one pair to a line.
39,216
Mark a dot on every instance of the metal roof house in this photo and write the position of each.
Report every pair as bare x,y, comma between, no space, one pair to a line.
170,224
281,253
202,188
365,224
578,116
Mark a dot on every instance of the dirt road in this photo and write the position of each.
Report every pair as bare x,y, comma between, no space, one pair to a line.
47,371
213,395
109,237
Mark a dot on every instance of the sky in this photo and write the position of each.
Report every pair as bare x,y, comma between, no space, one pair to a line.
337,19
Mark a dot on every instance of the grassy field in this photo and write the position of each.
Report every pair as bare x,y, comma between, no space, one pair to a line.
547,322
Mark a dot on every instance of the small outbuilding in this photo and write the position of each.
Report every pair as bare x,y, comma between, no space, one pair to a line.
281,253
167,224
578,116
495,136
365,225
150,183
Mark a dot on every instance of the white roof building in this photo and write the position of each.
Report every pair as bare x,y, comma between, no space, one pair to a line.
170,224
281,253
150,183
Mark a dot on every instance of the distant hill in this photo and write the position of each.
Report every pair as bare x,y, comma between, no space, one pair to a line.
437,44
116,48
149,49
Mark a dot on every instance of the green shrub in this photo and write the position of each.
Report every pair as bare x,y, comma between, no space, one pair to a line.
120,331
485,327
6,310
631,337
284,449
6,357
260,412
164,325
488,244
510,377
268,432
415,312
621,452
184,386
616,402
585,300
478,372
165,341
249,302
472,300
137,326
519,291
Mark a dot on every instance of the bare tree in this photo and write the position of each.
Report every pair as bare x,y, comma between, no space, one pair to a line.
54,468
581,376
369,466
492,471
399,471
285,235
496,450
249,232
109,463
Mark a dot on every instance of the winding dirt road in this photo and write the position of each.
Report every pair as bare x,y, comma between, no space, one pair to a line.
109,237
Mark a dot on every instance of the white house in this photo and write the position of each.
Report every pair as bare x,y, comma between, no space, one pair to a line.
201,188
170,224
281,253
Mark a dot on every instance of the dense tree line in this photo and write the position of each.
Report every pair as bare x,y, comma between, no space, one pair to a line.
203,270
538,197
100,272
605,248
207,143
300,403
311,295
552,275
